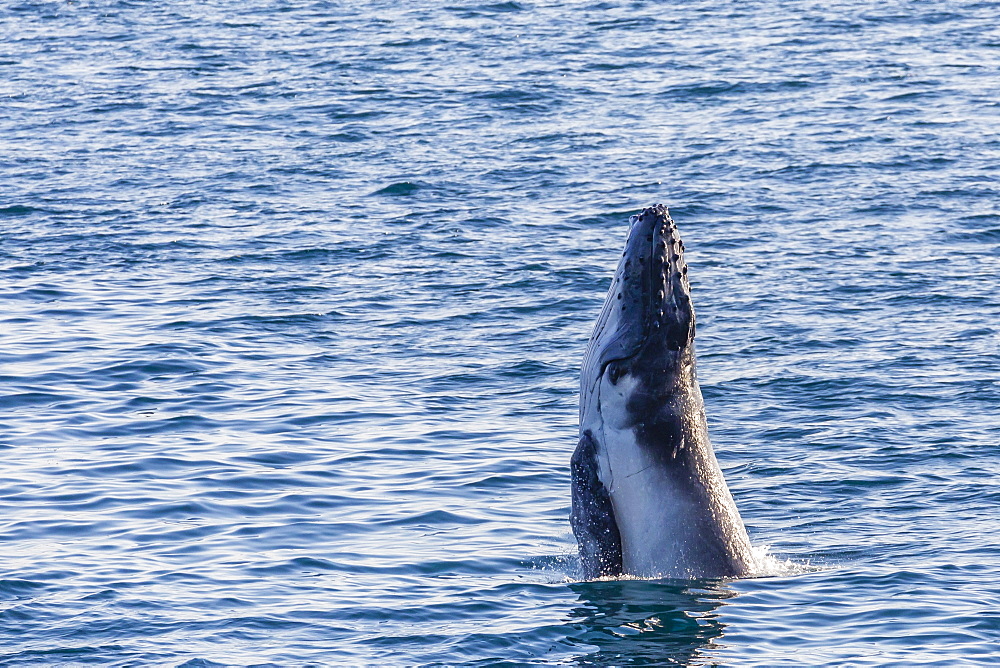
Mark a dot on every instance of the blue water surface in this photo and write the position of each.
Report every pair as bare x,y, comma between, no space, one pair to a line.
294,298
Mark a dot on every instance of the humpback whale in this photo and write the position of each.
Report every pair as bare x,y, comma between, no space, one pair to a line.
649,498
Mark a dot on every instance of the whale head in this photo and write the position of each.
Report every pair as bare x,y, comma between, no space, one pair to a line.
646,329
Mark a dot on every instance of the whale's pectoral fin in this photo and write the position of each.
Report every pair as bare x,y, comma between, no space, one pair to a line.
593,516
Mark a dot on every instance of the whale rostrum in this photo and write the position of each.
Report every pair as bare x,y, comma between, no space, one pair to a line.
649,498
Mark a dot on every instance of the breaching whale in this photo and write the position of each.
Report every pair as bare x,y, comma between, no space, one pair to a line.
649,498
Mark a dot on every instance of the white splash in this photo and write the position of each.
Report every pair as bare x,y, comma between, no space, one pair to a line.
768,566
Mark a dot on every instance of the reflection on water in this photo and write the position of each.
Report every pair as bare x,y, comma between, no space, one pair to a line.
643,622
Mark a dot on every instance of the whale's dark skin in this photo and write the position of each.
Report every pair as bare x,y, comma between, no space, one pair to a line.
649,498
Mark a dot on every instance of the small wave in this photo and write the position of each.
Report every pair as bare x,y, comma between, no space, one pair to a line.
402,188
17,210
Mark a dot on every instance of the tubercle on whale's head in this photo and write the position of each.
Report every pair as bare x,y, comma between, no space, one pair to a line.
648,318
671,313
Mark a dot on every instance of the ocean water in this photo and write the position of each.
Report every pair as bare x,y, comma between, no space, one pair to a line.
294,298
